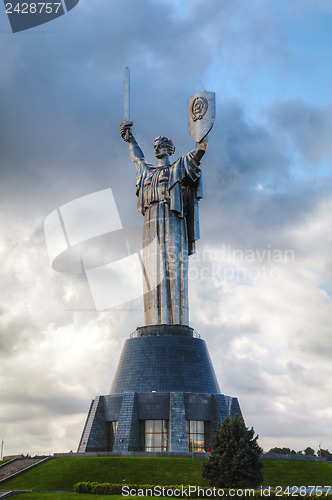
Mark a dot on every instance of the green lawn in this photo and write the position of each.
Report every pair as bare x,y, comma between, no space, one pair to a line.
67,496
61,474
296,473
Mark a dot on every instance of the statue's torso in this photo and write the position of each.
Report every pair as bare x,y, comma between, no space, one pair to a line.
156,186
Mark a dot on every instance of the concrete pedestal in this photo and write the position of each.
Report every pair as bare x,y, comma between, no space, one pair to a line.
164,374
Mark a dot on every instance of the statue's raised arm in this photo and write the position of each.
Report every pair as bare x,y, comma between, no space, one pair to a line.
200,149
135,150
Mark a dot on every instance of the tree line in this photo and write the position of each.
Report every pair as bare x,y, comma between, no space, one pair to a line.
308,452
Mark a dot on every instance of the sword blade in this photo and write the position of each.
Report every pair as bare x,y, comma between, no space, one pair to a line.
126,95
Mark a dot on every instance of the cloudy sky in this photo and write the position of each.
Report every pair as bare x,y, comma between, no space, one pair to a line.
260,284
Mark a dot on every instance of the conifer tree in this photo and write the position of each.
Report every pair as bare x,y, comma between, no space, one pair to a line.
235,456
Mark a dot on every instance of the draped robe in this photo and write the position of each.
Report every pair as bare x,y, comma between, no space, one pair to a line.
168,199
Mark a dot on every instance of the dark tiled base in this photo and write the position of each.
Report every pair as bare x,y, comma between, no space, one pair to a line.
165,363
164,373
129,408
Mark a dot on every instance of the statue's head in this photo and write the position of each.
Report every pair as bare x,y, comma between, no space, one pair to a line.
163,146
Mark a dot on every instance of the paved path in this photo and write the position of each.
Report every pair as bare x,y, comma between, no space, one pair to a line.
18,465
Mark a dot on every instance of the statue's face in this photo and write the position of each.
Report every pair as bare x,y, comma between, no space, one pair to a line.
160,149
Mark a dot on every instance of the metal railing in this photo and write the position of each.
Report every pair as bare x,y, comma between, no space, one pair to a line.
196,335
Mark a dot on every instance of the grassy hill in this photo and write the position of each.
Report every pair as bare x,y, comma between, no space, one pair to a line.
67,496
297,473
64,473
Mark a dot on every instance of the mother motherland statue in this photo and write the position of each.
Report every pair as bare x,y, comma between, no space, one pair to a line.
168,195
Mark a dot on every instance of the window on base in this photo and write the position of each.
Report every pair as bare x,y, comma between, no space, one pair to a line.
198,435
154,435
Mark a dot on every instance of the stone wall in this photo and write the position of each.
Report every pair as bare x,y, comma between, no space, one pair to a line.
129,409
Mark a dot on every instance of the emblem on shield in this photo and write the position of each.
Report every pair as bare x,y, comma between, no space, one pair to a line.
201,114
199,108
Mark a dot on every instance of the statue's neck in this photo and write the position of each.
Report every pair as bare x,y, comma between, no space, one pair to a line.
163,162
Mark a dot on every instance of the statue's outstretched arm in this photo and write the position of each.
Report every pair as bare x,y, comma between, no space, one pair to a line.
135,151
200,149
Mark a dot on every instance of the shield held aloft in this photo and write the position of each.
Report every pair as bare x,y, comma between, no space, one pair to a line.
201,114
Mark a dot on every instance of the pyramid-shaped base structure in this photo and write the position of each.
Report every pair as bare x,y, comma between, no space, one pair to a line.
164,396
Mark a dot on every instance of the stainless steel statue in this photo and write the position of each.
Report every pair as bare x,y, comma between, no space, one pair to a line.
168,195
